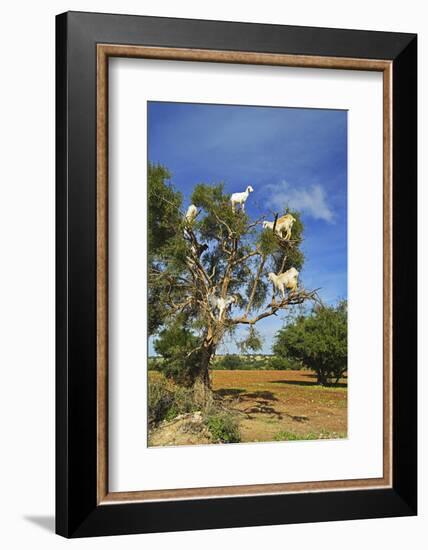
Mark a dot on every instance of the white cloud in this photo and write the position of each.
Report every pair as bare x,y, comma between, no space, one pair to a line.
311,200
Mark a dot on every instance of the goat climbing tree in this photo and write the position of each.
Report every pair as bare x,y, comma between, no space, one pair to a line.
210,275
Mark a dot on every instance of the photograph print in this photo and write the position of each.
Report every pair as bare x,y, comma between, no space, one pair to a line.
247,274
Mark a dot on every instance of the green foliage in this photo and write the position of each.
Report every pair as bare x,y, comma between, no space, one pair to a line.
160,399
166,401
253,362
284,363
223,427
163,209
177,345
228,362
268,242
218,216
253,341
323,434
154,363
319,341
182,403
164,217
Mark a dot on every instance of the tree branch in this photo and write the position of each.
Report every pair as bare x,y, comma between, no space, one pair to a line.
254,224
245,258
223,223
293,298
255,284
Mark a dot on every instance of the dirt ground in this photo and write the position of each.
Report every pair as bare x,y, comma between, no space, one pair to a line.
271,405
185,429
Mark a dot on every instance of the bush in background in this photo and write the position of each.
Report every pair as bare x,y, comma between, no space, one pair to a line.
284,363
319,340
255,362
228,362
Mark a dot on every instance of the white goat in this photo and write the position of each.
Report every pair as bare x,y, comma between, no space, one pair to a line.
222,304
288,279
240,198
268,225
191,214
284,223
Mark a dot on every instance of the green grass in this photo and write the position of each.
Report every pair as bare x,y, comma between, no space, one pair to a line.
291,436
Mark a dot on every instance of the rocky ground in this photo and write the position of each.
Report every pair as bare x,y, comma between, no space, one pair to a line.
186,429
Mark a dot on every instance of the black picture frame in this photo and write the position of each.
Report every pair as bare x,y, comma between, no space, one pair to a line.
77,511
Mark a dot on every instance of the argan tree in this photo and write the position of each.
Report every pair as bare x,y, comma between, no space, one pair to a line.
193,266
319,340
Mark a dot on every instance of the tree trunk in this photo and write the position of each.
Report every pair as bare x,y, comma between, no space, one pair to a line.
202,388
322,378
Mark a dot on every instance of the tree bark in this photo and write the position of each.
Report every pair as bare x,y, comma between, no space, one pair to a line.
202,387
322,378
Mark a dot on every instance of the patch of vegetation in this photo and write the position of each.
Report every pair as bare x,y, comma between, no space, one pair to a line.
255,362
176,344
228,362
284,363
223,427
292,436
319,340
154,363
166,401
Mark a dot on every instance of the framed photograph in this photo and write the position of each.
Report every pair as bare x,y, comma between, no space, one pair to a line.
236,274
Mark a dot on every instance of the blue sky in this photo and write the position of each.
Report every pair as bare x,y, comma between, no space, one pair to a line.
289,156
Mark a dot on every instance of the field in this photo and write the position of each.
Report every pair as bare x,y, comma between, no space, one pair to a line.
273,405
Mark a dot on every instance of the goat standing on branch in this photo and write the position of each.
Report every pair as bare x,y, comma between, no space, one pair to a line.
288,280
191,214
240,198
222,304
283,224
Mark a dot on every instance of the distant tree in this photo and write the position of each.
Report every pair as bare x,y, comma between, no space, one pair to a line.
319,340
284,363
219,255
228,362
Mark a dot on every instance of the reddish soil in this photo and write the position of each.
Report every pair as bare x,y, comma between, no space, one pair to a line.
272,404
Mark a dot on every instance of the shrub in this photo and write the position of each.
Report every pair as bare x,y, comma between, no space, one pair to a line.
166,401
160,400
182,402
319,341
154,363
223,427
284,363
